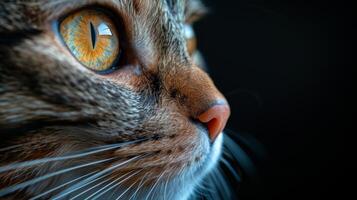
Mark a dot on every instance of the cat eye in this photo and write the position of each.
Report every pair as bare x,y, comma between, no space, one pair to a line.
92,38
191,42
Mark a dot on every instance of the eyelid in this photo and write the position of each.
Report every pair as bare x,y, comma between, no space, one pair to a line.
58,9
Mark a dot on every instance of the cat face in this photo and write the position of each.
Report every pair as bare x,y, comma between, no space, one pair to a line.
150,125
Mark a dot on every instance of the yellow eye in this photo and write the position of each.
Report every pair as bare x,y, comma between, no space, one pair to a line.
92,38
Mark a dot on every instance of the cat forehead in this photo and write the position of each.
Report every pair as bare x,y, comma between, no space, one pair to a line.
174,7
24,14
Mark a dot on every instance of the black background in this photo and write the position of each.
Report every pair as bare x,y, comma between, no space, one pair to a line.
279,64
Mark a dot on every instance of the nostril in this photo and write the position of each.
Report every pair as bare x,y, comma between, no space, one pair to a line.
216,118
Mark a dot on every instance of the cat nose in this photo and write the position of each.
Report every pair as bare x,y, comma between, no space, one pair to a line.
215,118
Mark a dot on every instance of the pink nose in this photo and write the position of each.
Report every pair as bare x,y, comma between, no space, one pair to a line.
216,118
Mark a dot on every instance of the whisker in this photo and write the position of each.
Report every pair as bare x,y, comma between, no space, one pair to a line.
13,147
224,183
239,155
218,185
230,168
76,186
77,155
91,188
16,187
139,187
214,195
165,187
248,141
126,190
153,187
198,187
60,186
108,185
202,187
115,185
87,183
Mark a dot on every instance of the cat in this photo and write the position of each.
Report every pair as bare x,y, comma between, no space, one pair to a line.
135,118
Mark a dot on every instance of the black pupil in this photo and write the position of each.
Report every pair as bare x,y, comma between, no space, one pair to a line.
93,35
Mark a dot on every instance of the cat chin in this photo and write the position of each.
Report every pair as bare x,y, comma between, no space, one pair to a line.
215,155
190,184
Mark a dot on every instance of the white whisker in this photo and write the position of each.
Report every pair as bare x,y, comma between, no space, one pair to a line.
214,195
106,186
16,187
165,187
126,190
85,184
74,187
91,188
234,173
14,146
115,185
233,149
154,186
51,159
60,186
224,186
139,186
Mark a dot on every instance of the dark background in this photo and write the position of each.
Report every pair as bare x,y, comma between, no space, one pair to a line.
279,65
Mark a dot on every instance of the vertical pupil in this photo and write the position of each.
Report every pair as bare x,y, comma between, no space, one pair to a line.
93,34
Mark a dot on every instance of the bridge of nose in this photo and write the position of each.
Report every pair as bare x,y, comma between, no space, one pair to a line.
194,89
